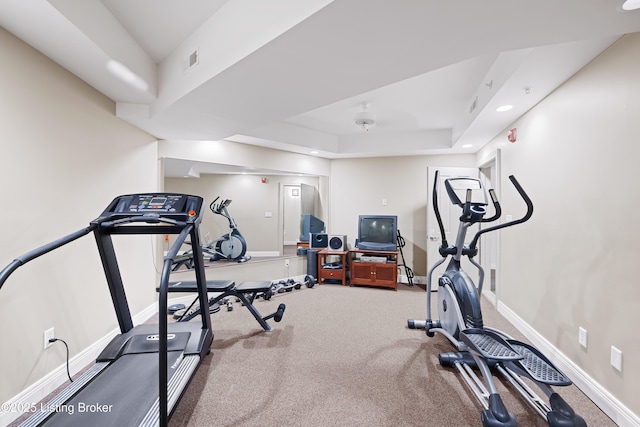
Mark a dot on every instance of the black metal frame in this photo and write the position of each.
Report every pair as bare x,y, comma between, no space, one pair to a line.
118,220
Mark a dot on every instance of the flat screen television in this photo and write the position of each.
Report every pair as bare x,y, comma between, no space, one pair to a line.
377,232
310,224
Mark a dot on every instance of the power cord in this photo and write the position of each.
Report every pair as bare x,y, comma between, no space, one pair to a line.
52,340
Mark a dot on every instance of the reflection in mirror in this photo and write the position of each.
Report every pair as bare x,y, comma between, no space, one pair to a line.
300,202
258,207
291,213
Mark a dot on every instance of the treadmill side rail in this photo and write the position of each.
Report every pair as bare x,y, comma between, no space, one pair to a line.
48,409
176,386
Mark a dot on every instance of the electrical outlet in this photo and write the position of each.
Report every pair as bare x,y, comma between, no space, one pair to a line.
616,358
582,337
48,334
286,263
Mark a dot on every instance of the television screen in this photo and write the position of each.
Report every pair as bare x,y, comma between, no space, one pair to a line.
377,232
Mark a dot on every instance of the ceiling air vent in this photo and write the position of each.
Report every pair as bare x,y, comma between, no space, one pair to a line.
191,60
474,105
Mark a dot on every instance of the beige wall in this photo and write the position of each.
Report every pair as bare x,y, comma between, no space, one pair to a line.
573,264
359,185
64,158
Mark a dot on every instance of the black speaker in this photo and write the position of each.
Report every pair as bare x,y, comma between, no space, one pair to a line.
312,262
319,240
337,243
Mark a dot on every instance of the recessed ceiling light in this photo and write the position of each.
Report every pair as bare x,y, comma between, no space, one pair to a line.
504,108
467,146
631,5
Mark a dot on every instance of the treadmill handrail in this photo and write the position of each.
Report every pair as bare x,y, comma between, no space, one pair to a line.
35,253
149,219
163,327
163,290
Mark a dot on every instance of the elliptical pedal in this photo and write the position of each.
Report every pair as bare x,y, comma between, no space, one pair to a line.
538,366
488,344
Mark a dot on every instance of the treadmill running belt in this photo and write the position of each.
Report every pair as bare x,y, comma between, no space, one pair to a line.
120,396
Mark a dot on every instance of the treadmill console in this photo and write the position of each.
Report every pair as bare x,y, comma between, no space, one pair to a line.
181,207
156,203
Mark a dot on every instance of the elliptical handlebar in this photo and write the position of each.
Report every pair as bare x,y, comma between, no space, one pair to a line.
222,205
212,205
496,207
526,216
466,209
525,197
436,210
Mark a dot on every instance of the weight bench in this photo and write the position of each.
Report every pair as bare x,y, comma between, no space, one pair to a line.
185,259
245,292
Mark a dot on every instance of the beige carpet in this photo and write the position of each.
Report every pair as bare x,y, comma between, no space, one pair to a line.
342,356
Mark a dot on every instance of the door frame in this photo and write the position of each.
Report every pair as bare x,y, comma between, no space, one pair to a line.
492,161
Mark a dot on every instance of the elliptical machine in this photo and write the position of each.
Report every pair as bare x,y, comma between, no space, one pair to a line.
230,246
480,348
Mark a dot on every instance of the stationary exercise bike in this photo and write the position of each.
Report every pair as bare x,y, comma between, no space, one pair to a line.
480,348
230,246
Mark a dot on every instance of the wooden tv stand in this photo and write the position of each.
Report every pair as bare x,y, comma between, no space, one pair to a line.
368,268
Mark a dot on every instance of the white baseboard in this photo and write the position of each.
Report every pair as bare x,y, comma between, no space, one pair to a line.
419,280
54,379
263,254
611,406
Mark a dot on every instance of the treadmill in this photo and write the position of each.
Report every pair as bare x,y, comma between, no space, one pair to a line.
142,373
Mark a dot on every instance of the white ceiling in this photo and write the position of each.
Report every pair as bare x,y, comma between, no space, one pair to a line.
292,74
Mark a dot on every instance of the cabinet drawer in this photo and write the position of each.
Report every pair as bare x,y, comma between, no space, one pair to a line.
333,273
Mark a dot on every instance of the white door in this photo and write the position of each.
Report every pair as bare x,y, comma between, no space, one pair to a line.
450,214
